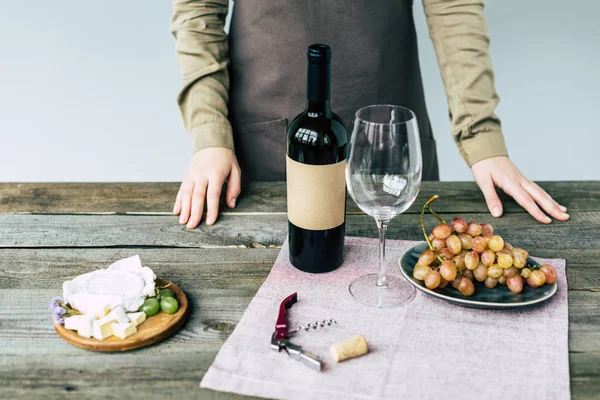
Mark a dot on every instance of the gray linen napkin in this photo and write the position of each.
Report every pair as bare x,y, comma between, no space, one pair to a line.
424,350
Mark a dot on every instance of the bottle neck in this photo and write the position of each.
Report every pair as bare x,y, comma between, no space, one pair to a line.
318,87
318,108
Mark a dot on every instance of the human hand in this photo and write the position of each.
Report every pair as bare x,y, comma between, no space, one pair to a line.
501,172
203,181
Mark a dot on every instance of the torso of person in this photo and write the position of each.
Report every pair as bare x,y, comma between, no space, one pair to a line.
375,61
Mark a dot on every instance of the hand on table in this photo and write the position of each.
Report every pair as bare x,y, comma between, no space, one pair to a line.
203,182
501,172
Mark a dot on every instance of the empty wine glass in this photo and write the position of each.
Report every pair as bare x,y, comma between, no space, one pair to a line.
383,175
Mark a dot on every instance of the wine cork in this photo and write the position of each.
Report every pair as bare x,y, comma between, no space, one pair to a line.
353,347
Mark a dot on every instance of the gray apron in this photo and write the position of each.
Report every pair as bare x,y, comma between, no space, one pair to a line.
375,61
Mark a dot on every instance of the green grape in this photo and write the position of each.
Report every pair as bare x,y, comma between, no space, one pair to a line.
490,282
512,271
466,287
466,241
481,272
474,229
515,284
421,271
488,257
460,262
438,243
150,307
169,305
518,260
536,279
433,280
550,273
502,280
525,273
496,243
442,231
505,261
446,253
164,293
468,274
472,260
495,271
426,257
479,244
454,244
448,270
487,230
459,225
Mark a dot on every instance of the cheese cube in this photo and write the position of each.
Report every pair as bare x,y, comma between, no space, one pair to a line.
99,310
86,331
137,317
102,327
123,330
76,322
119,314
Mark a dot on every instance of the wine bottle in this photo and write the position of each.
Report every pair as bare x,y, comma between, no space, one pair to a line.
317,141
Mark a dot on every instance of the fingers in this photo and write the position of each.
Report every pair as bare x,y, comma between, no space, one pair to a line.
198,196
527,202
545,200
233,186
486,184
177,206
186,202
212,199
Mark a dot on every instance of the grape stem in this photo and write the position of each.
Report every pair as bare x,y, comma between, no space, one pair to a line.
426,207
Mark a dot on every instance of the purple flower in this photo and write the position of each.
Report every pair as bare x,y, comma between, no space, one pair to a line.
58,312
55,303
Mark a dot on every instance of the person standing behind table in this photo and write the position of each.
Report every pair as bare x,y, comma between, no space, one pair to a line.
375,61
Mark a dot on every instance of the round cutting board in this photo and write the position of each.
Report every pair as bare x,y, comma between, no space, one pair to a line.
152,330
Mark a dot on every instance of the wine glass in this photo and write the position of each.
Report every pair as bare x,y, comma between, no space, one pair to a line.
383,175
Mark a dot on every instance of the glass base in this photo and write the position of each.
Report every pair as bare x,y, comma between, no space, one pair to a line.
396,292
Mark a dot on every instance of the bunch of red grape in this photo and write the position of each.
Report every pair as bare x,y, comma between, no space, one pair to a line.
461,253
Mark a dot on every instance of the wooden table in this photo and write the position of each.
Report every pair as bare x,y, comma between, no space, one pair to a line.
51,232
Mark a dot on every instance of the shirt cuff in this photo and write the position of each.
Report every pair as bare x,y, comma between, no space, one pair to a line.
211,135
485,143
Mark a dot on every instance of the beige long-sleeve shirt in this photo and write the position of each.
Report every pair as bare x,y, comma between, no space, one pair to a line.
456,27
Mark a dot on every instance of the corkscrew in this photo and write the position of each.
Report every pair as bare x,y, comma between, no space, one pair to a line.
280,339
315,325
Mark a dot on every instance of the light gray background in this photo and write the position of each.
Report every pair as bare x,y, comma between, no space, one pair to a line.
87,90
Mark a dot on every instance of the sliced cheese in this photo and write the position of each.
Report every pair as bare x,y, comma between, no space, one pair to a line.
137,318
103,327
120,315
123,330
86,331
77,322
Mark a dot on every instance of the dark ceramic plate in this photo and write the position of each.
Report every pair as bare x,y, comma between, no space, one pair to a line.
498,297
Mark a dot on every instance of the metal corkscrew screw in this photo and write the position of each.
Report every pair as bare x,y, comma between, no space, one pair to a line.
315,325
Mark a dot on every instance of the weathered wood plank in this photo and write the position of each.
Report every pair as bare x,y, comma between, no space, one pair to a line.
120,198
581,232
35,362
38,268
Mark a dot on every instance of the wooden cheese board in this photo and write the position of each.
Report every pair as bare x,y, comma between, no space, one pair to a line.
153,330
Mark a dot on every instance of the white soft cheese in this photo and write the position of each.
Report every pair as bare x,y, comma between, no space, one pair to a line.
77,322
137,318
119,314
123,330
86,331
124,283
103,327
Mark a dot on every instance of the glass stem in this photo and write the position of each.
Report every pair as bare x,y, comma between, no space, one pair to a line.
382,227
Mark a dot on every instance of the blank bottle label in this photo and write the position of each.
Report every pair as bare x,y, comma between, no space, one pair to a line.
316,195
